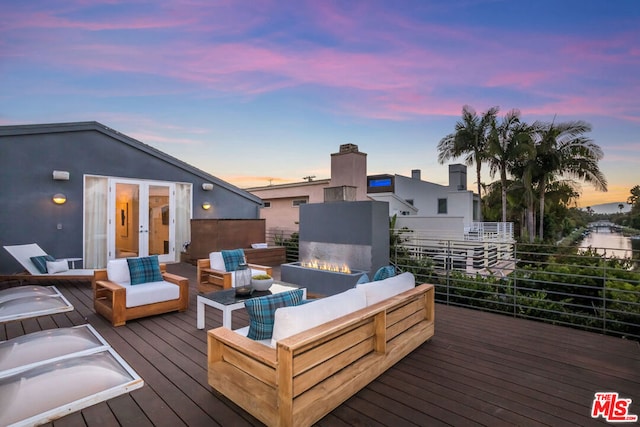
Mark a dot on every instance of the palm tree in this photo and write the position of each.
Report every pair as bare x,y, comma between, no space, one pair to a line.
563,150
635,196
470,140
509,140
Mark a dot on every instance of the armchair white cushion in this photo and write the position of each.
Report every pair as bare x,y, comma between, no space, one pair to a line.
143,293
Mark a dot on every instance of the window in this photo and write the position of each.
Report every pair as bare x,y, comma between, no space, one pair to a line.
410,201
266,204
298,202
475,210
442,206
380,182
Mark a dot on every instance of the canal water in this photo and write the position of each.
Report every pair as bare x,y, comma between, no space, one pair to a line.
611,243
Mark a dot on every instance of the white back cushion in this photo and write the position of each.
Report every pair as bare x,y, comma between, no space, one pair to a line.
291,320
217,262
383,289
118,271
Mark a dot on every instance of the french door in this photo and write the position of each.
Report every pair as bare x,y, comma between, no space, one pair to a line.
141,219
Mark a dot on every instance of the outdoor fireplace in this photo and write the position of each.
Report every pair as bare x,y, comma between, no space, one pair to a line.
350,237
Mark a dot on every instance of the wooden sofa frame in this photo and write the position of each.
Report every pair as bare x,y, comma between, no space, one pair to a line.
110,299
210,280
311,373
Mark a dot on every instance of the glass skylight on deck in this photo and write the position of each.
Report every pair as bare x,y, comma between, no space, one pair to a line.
31,301
49,374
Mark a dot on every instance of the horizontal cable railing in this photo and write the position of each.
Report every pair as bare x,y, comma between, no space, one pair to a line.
555,285
558,285
287,238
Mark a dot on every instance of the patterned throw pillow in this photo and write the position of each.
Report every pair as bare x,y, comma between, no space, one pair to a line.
384,273
363,279
41,262
232,259
144,269
262,312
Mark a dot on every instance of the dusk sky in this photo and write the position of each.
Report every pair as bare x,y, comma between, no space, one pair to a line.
264,91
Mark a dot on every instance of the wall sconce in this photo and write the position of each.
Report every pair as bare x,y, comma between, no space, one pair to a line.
206,206
207,186
59,198
61,175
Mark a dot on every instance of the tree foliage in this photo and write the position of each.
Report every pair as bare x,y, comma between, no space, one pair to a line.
539,166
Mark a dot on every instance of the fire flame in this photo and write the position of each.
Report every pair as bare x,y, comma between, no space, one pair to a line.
344,268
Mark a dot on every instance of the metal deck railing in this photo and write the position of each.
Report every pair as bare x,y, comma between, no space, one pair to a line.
556,285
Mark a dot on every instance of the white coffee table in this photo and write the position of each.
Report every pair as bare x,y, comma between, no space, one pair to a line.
227,301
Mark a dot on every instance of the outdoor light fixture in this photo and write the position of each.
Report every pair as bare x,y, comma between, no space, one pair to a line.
61,175
206,206
207,186
59,198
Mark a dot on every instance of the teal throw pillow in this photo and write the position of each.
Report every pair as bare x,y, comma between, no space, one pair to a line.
232,259
384,273
262,312
144,270
41,262
363,279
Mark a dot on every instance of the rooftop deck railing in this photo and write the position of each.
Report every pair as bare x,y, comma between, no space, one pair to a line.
556,285
488,231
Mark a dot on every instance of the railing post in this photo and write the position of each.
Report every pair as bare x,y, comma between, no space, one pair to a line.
604,296
515,280
446,268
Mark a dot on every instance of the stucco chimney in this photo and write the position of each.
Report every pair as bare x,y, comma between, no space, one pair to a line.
416,174
458,177
349,169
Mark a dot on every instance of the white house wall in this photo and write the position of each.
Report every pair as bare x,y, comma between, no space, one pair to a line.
425,197
441,227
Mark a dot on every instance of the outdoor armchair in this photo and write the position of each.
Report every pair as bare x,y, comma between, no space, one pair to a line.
213,274
119,295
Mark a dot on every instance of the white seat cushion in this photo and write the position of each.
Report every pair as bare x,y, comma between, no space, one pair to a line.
292,320
383,289
150,293
76,272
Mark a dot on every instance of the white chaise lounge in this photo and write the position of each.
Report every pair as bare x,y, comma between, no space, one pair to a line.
58,268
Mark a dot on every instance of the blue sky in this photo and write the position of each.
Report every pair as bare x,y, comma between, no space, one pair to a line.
264,91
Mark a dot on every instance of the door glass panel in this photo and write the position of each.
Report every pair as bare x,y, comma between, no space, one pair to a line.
127,218
158,220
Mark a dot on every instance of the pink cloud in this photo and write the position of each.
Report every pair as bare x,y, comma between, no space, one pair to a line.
393,70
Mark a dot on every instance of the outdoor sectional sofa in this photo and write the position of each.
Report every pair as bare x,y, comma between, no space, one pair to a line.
302,374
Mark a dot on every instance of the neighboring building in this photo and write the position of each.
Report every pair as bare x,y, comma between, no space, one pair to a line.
281,202
121,197
452,207
412,196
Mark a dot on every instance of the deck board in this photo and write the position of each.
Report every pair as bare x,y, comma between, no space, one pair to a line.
479,369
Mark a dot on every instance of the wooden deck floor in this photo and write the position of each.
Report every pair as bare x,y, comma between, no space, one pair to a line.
479,369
